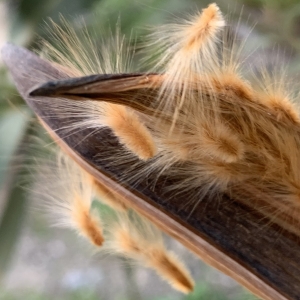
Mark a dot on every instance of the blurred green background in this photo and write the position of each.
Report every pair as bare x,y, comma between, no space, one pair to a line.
40,262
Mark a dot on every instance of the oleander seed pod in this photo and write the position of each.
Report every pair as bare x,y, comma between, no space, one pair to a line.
206,121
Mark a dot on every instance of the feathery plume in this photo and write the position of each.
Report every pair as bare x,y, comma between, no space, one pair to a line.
130,131
67,193
137,239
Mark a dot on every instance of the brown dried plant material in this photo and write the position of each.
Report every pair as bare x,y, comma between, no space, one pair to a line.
216,132
195,112
211,231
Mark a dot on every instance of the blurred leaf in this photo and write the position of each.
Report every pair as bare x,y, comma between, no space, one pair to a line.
8,91
148,12
13,196
279,4
291,25
253,3
12,127
41,9
26,23
11,224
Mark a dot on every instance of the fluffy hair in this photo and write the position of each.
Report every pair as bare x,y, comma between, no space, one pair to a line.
66,191
134,237
77,56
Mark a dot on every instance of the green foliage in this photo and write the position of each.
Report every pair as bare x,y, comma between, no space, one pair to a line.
206,292
15,131
203,291
12,129
81,294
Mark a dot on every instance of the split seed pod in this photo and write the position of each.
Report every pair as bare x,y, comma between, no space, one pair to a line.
218,133
205,119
